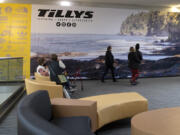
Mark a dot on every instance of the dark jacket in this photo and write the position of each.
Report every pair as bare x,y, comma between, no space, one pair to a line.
133,61
109,59
139,55
55,70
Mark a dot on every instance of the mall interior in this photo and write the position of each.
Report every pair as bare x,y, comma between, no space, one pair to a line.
89,67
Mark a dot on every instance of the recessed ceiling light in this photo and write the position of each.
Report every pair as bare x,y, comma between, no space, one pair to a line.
175,9
1,1
65,3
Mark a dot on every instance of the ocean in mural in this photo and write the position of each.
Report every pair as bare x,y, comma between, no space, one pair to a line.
88,47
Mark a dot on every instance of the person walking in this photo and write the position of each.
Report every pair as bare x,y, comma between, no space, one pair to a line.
109,61
138,53
139,56
133,64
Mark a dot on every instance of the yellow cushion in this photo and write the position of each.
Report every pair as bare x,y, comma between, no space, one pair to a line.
45,82
112,107
42,78
54,91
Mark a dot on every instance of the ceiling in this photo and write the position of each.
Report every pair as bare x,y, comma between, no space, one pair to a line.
107,3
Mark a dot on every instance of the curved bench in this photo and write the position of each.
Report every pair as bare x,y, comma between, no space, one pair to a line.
112,107
54,91
102,109
35,117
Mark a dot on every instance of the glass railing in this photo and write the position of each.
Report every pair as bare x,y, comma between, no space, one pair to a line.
11,69
11,82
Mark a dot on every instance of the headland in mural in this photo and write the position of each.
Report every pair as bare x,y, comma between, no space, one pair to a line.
157,33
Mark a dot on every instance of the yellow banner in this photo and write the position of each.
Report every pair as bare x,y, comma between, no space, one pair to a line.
15,33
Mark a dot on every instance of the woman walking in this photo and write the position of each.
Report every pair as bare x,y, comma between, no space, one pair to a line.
133,64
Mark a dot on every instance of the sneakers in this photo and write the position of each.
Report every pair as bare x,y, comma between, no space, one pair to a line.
133,82
72,90
102,80
114,80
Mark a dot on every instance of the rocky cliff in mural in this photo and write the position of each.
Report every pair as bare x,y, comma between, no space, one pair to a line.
174,28
135,24
154,23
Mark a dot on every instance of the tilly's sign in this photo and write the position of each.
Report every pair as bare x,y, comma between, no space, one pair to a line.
65,13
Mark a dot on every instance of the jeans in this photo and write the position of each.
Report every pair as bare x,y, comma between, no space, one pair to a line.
135,74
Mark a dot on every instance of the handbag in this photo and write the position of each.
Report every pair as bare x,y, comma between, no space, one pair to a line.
62,78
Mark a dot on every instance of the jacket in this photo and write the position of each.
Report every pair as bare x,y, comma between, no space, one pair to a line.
139,55
133,61
109,59
55,70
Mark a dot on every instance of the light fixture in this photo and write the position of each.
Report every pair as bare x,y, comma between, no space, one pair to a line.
175,9
1,1
65,3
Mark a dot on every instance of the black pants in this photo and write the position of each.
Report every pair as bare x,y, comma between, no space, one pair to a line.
106,71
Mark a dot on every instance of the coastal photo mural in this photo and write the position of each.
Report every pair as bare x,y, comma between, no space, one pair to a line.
80,36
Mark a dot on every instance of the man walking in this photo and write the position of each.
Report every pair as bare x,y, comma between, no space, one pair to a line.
109,61
139,56
138,53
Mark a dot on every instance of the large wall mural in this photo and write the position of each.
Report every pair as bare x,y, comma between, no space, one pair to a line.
80,36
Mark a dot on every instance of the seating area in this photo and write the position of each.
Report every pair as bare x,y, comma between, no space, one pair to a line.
100,110
35,117
40,80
